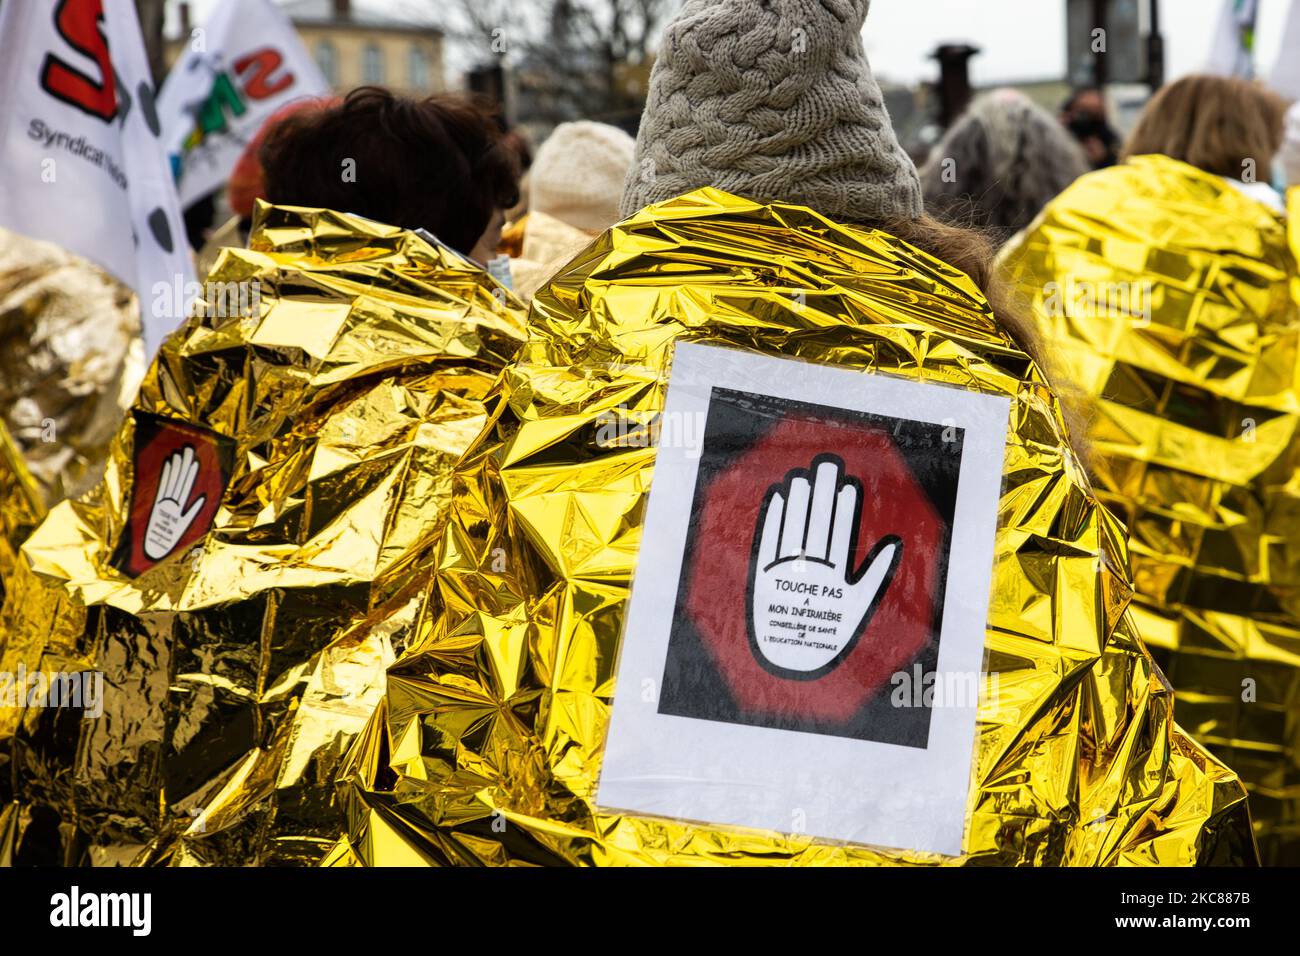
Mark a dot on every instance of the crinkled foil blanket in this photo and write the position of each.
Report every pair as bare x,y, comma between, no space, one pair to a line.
1171,300
21,506
487,744
71,360
252,558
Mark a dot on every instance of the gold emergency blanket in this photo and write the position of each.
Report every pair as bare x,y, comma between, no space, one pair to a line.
70,361
21,508
487,746
1170,298
274,492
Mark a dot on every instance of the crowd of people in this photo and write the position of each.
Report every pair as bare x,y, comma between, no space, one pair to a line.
407,595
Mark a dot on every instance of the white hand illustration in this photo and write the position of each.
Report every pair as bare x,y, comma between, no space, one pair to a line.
170,519
807,606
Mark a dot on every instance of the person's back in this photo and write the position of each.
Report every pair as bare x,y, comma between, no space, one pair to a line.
1165,286
697,517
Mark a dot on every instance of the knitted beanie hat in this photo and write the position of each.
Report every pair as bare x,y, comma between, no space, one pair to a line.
578,174
772,100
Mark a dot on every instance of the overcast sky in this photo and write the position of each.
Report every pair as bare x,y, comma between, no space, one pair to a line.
1025,39
1020,39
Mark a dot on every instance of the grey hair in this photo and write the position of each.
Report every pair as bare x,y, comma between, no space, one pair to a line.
1002,161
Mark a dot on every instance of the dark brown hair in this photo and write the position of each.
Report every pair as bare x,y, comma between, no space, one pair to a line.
438,163
1215,123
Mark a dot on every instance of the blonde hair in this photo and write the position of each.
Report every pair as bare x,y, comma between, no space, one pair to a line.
1222,125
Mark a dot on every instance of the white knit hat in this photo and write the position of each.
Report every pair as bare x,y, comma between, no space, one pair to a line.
772,100
578,174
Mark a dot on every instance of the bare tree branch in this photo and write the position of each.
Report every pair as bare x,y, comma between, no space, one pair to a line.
570,56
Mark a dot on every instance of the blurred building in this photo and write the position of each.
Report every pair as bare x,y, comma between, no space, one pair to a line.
356,43
909,111
543,90
1050,94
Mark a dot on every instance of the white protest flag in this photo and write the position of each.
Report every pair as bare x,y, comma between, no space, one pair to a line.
1232,52
237,69
1286,74
80,153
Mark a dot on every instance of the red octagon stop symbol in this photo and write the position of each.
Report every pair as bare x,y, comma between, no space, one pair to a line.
893,503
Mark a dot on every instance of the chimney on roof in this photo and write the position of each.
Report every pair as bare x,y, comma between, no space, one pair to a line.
342,9
954,87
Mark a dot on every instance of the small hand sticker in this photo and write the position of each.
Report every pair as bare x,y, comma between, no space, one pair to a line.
170,518
807,604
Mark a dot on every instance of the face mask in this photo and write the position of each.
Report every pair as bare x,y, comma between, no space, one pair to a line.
1089,127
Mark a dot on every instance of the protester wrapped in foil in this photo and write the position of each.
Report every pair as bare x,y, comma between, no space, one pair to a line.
273,494
26,605
70,361
489,741
1170,298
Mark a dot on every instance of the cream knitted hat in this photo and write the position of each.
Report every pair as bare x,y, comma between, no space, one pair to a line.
578,174
772,100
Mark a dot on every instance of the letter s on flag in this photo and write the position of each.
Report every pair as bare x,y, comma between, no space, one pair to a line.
80,23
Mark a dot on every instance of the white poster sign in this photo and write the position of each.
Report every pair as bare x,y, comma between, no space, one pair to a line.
803,645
